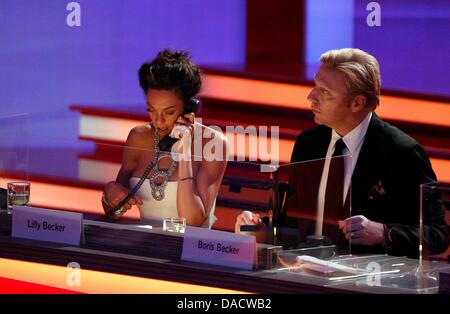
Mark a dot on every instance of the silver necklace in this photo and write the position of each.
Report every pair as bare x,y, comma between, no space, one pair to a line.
163,174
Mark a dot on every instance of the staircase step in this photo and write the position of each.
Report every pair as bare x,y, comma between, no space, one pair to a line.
111,125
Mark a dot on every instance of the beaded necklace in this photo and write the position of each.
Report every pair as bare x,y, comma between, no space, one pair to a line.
164,174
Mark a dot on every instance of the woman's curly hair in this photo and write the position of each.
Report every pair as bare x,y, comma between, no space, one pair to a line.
171,70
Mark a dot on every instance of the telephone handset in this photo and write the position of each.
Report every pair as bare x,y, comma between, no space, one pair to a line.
166,143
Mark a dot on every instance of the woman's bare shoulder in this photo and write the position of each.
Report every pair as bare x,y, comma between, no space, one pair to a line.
140,136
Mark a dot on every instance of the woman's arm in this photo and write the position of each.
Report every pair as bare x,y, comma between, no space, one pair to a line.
196,194
115,191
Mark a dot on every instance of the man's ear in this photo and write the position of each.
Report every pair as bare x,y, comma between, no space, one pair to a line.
359,103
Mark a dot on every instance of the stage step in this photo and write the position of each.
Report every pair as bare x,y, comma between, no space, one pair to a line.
111,125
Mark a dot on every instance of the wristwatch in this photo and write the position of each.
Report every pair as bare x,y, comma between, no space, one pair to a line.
387,236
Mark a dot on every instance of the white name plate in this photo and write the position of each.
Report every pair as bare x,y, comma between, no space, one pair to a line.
46,225
218,248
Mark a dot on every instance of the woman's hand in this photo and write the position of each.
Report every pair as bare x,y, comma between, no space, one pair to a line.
184,131
246,218
114,193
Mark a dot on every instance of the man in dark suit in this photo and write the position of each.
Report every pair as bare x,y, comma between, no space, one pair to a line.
386,166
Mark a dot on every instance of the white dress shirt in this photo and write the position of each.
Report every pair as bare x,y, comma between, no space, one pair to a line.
353,142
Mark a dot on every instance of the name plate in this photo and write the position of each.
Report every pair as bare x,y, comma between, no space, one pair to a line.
46,225
218,248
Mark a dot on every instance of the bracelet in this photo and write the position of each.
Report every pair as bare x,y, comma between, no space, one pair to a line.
118,213
104,200
187,178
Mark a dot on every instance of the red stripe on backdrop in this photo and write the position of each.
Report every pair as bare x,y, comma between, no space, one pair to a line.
11,286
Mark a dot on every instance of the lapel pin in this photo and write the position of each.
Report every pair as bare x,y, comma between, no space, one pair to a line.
377,190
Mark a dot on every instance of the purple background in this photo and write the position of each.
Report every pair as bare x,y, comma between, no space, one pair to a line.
412,44
46,65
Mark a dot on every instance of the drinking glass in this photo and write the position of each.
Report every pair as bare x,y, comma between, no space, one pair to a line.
174,224
18,194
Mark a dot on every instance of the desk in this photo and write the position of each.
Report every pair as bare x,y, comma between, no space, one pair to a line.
138,267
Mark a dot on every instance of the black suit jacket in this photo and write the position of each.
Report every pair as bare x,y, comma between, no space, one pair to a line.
396,162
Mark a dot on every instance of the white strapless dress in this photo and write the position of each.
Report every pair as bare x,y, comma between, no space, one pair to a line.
153,212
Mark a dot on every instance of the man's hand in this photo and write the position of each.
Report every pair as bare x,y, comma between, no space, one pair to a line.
246,218
360,230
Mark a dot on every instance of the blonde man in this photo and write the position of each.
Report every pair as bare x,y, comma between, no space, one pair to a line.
385,171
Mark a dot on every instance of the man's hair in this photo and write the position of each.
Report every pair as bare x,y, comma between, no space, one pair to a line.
361,71
171,70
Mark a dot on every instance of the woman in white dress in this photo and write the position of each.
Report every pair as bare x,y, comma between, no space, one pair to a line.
174,187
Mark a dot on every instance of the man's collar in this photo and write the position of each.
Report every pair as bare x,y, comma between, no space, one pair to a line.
354,138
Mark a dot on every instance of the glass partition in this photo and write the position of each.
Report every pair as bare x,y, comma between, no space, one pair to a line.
434,221
391,272
301,219
13,156
14,146
310,220
71,175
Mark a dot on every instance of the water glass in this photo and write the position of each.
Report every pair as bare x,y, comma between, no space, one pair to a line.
174,224
18,194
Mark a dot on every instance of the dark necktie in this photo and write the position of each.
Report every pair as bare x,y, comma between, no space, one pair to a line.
333,208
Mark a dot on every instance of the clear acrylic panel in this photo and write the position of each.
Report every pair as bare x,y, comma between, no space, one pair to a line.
14,146
13,151
56,173
434,222
301,219
391,274
71,175
246,186
381,272
325,265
